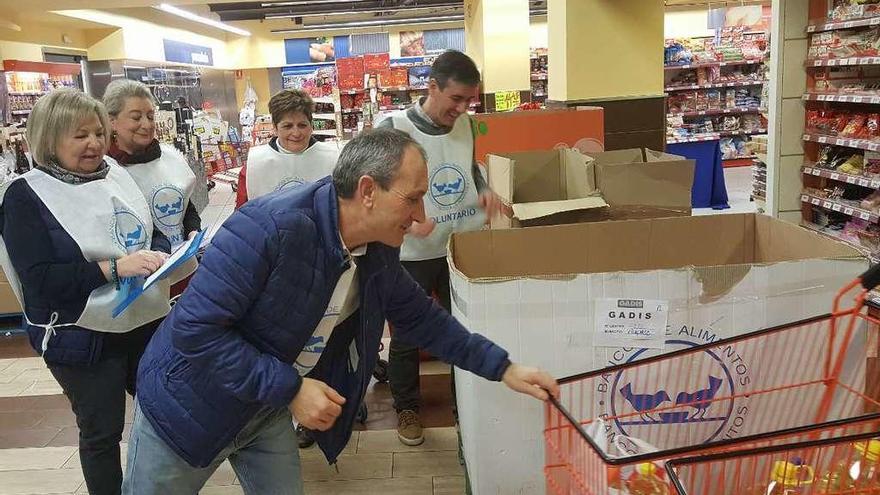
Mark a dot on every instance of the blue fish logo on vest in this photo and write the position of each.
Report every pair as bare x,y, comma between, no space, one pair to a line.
290,182
634,400
448,185
130,231
168,206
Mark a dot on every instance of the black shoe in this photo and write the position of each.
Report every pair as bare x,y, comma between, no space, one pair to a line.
304,437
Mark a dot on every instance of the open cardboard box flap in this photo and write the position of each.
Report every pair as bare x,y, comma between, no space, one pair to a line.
539,209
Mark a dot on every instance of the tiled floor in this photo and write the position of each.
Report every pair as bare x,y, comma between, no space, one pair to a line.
38,434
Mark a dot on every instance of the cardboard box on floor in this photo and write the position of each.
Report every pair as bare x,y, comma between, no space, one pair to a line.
534,290
564,186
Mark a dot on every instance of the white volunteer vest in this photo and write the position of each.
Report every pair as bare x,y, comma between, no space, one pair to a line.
107,218
167,184
452,196
269,170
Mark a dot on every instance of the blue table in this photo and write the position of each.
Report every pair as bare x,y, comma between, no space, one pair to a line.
709,190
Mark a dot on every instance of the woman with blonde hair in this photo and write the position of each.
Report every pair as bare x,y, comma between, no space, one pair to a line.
74,231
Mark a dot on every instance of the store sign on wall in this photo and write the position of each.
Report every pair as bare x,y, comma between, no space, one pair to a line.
185,53
506,100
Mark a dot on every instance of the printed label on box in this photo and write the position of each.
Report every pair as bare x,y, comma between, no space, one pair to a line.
631,323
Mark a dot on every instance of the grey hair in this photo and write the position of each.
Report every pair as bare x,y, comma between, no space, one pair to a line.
120,90
57,114
377,153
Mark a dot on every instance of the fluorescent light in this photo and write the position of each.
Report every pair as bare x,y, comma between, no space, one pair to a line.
204,20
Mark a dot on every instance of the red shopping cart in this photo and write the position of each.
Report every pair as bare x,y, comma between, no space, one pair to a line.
614,428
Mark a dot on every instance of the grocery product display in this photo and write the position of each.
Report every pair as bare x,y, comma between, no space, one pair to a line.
842,125
26,82
715,87
538,66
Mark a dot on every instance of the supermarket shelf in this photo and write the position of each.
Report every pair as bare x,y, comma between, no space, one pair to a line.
831,26
323,99
834,62
325,132
27,93
716,85
842,177
539,95
861,144
839,207
716,112
714,64
714,136
21,112
539,77
387,108
351,110
820,230
350,91
324,115
871,99
402,88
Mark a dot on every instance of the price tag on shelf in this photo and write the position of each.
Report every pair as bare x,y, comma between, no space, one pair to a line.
850,179
815,201
832,62
823,139
875,21
835,176
827,204
848,24
848,211
805,198
856,99
836,207
822,97
864,215
875,100
854,143
864,182
845,99
816,172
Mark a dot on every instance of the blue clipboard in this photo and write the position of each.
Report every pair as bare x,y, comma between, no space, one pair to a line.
131,292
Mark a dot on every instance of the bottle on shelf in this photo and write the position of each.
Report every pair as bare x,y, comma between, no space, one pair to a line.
646,481
860,472
786,478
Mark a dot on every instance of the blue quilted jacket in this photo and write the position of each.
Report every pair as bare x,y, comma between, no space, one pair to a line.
227,348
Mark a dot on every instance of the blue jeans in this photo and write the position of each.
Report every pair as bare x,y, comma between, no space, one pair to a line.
264,455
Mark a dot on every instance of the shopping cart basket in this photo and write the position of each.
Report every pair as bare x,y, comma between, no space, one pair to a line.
761,389
846,460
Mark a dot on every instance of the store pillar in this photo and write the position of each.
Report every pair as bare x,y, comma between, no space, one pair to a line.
497,38
609,54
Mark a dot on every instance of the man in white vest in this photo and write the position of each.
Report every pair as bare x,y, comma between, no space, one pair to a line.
458,200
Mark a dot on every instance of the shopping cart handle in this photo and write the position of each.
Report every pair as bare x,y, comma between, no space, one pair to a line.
871,278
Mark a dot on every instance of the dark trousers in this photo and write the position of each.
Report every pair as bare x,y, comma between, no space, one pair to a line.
97,397
403,360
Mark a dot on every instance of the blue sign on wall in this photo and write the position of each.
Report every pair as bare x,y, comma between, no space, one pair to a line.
315,50
185,53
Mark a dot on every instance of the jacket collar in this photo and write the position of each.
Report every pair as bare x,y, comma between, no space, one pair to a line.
327,211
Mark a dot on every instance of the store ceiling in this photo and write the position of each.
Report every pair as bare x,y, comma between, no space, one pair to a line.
324,11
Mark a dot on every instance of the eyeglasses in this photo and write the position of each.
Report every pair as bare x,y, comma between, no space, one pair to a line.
409,199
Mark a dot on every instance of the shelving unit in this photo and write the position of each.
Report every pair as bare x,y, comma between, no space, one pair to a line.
841,172
714,88
538,60
24,82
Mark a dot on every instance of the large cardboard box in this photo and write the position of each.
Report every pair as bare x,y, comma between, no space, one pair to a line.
534,291
564,186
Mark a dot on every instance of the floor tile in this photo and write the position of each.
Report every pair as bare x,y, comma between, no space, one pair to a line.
449,485
73,462
13,389
19,419
314,452
35,458
43,388
45,482
393,486
31,437
407,464
67,436
223,476
35,375
57,417
351,467
387,441
222,490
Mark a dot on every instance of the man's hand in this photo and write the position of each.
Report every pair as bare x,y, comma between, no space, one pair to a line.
316,406
493,205
422,229
531,381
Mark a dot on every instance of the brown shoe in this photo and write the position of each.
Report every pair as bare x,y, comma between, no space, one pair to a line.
409,428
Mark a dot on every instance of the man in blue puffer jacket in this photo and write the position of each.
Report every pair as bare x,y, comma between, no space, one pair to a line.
284,316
